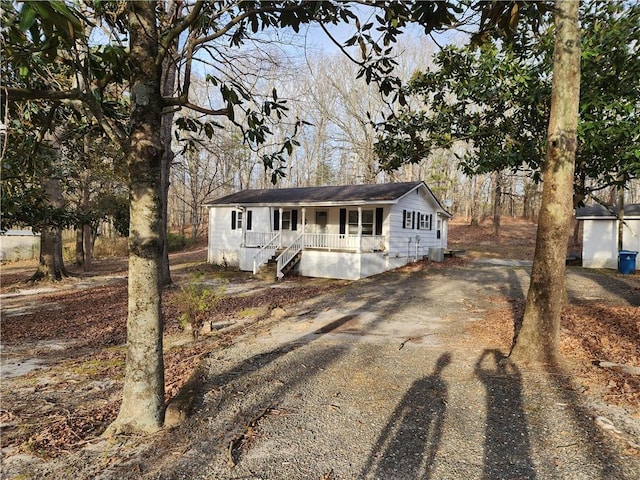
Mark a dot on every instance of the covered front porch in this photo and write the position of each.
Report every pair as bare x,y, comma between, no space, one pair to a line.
353,230
258,248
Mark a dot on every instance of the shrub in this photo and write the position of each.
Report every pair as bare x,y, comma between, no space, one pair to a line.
176,242
197,302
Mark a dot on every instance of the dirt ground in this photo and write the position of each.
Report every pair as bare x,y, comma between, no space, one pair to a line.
63,349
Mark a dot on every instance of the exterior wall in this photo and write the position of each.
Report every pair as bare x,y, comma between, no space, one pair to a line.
225,243
19,245
600,242
245,258
414,242
342,265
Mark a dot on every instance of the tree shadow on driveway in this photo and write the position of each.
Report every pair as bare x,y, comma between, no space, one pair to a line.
408,445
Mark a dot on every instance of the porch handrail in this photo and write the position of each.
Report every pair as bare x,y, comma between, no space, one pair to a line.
263,255
289,253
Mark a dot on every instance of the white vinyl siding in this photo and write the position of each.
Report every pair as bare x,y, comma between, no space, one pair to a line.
402,238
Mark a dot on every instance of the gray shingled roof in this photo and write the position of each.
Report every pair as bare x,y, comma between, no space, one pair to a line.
318,195
632,209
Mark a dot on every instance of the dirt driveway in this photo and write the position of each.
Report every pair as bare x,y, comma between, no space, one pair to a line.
385,379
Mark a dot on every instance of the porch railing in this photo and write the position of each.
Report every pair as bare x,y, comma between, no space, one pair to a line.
289,253
258,239
324,241
263,255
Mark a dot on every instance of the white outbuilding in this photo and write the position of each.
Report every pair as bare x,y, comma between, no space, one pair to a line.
600,234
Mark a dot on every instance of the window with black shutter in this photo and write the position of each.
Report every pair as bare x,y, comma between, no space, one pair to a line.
379,219
276,220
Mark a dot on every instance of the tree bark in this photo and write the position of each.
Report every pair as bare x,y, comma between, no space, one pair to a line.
536,341
142,408
620,221
51,263
87,237
86,208
167,89
474,201
497,203
79,245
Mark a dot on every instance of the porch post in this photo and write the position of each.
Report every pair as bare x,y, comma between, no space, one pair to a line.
359,247
280,227
304,219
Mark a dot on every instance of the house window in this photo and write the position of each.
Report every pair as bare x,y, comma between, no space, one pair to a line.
439,231
286,220
289,220
353,222
426,221
236,219
408,217
367,222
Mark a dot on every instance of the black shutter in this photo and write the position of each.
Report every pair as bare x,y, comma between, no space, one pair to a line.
343,221
430,221
249,215
418,222
413,219
404,219
294,219
233,219
276,220
379,221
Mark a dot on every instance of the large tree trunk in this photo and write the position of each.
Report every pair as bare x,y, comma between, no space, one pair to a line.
168,85
537,339
475,200
84,243
79,245
51,264
620,221
142,408
497,203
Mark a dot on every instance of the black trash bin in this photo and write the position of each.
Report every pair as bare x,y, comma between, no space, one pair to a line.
627,261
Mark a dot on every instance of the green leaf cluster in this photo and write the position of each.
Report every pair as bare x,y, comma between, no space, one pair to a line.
495,97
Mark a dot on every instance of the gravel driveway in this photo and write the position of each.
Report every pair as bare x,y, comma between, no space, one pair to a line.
380,381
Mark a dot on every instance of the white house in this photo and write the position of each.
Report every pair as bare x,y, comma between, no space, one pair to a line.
600,234
348,232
